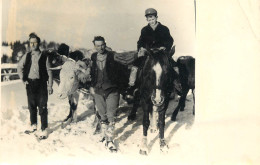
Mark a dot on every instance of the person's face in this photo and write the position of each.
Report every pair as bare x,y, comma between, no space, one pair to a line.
100,46
33,44
152,20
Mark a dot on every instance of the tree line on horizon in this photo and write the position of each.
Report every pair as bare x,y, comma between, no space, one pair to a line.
21,48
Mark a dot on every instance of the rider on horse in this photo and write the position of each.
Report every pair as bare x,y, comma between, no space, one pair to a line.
154,35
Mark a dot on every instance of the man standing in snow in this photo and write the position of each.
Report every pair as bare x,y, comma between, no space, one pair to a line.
34,70
104,78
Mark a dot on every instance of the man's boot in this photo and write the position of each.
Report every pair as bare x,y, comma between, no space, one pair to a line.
43,134
104,125
110,135
32,128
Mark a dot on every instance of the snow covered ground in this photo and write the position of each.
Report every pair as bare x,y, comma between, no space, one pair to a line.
225,129
76,142
189,142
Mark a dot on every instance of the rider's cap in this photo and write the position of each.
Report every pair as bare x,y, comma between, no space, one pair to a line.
150,11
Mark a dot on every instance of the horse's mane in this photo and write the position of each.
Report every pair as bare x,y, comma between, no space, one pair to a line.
148,75
160,56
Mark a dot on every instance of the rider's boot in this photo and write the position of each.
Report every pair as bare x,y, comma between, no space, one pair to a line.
132,79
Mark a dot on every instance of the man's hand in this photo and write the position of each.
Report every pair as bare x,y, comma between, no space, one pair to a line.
91,90
162,48
50,90
25,82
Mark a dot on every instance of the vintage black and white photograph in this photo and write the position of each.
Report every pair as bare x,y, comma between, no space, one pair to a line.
112,82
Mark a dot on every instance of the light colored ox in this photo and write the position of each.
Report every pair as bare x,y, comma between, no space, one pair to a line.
71,74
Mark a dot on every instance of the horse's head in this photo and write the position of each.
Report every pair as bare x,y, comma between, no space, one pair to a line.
156,74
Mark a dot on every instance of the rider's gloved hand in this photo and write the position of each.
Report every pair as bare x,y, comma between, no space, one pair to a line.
162,48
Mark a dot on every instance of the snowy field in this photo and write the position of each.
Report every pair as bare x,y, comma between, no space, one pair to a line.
189,142
76,141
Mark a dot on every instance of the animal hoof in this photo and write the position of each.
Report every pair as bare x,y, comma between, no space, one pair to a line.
131,117
173,118
163,147
164,150
112,150
142,152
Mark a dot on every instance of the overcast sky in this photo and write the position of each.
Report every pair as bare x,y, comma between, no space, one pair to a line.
76,22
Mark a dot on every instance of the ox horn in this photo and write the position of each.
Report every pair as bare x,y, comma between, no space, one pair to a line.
63,57
56,68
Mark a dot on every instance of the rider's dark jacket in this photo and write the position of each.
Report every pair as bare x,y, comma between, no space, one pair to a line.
155,38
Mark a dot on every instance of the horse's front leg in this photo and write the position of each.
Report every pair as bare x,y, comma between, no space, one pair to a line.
161,125
146,123
183,97
193,93
154,119
181,104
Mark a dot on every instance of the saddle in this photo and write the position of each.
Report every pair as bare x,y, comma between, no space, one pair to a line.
125,58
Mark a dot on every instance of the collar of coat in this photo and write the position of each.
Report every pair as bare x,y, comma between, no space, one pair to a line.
157,25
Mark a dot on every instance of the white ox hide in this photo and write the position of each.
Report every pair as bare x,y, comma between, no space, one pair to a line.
71,74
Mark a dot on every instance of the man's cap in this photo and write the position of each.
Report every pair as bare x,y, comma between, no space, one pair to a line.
150,11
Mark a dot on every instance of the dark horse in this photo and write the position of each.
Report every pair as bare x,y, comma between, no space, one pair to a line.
154,88
186,65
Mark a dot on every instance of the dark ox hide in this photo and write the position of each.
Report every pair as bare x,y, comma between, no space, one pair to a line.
186,65
155,83
56,60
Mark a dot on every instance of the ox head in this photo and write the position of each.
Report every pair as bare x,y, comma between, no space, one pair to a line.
71,74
